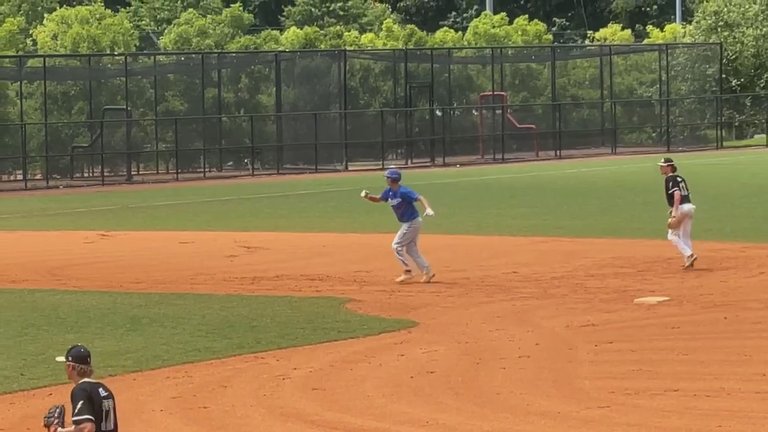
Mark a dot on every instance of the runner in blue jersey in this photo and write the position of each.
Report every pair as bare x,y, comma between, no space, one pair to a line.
403,202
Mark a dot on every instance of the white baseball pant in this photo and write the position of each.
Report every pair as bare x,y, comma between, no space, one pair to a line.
681,237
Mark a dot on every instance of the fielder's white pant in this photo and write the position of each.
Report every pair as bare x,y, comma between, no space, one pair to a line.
681,237
406,243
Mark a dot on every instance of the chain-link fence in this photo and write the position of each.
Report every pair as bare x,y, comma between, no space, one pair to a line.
80,119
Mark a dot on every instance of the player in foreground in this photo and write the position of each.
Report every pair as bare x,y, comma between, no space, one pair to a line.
402,200
93,404
681,210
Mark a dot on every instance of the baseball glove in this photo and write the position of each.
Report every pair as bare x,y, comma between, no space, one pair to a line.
54,417
674,222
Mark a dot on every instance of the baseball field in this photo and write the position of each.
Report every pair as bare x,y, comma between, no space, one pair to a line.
270,304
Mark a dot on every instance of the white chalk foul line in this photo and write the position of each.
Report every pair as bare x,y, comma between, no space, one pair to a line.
347,189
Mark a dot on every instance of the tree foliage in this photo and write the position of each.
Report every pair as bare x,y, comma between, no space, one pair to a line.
196,31
739,25
158,15
85,29
361,15
12,36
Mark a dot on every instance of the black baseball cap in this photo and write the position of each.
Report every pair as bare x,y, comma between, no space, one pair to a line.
666,162
77,354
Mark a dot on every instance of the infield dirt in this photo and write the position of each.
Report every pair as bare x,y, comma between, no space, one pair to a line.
514,334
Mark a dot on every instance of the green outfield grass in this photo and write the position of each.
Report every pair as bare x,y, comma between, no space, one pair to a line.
132,332
750,142
618,197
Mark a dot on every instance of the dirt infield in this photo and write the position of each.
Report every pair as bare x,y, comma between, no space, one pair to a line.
515,334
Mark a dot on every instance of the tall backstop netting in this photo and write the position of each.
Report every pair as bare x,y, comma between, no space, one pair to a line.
102,118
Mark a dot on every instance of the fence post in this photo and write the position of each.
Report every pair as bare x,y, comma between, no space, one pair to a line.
554,108
346,127
432,106
450,77
559,129
394,79
504,109
221,114
317,154
45,118
614,107
155,110
721,114
253,143
128,124
278,112
445,130
382,137
176,144
23,129
203,112
493,107
90,87
661,96
602,98
101,152
667,101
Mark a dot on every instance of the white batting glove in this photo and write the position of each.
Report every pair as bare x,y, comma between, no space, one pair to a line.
364,194
429,212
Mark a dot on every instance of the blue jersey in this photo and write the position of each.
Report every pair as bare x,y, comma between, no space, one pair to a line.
402,202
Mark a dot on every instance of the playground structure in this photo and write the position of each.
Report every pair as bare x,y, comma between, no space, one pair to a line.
116,146
493,109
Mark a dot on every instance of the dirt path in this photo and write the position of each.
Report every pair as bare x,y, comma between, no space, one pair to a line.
515,334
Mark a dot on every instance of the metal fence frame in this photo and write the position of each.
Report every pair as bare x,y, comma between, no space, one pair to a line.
438,138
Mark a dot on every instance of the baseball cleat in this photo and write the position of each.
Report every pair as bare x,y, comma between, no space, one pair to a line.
690,260
404,277
427,278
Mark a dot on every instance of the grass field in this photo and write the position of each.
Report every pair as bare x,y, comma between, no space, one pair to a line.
619,197
616,197
131,332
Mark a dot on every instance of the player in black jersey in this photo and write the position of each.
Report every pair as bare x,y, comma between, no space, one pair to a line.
678,196
93,404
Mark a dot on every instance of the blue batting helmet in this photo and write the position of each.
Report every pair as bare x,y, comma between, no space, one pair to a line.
393,174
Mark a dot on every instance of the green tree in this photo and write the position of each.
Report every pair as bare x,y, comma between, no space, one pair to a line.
430,15
12,36
85,29
157,15
78,87
639,14
30,12
196,31
360,15
738,24
266,13
613,33
496,30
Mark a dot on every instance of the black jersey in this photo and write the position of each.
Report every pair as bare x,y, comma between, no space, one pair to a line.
92,401
672,183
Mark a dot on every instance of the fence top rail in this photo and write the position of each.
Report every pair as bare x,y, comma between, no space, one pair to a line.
339,50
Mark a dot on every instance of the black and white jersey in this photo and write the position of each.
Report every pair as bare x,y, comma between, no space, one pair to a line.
92,401
673,183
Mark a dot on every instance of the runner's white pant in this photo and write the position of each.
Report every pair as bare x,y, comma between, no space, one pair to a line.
681,237
406,243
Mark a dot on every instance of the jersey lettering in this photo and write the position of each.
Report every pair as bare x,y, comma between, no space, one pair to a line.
402,202
94,403
675,183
